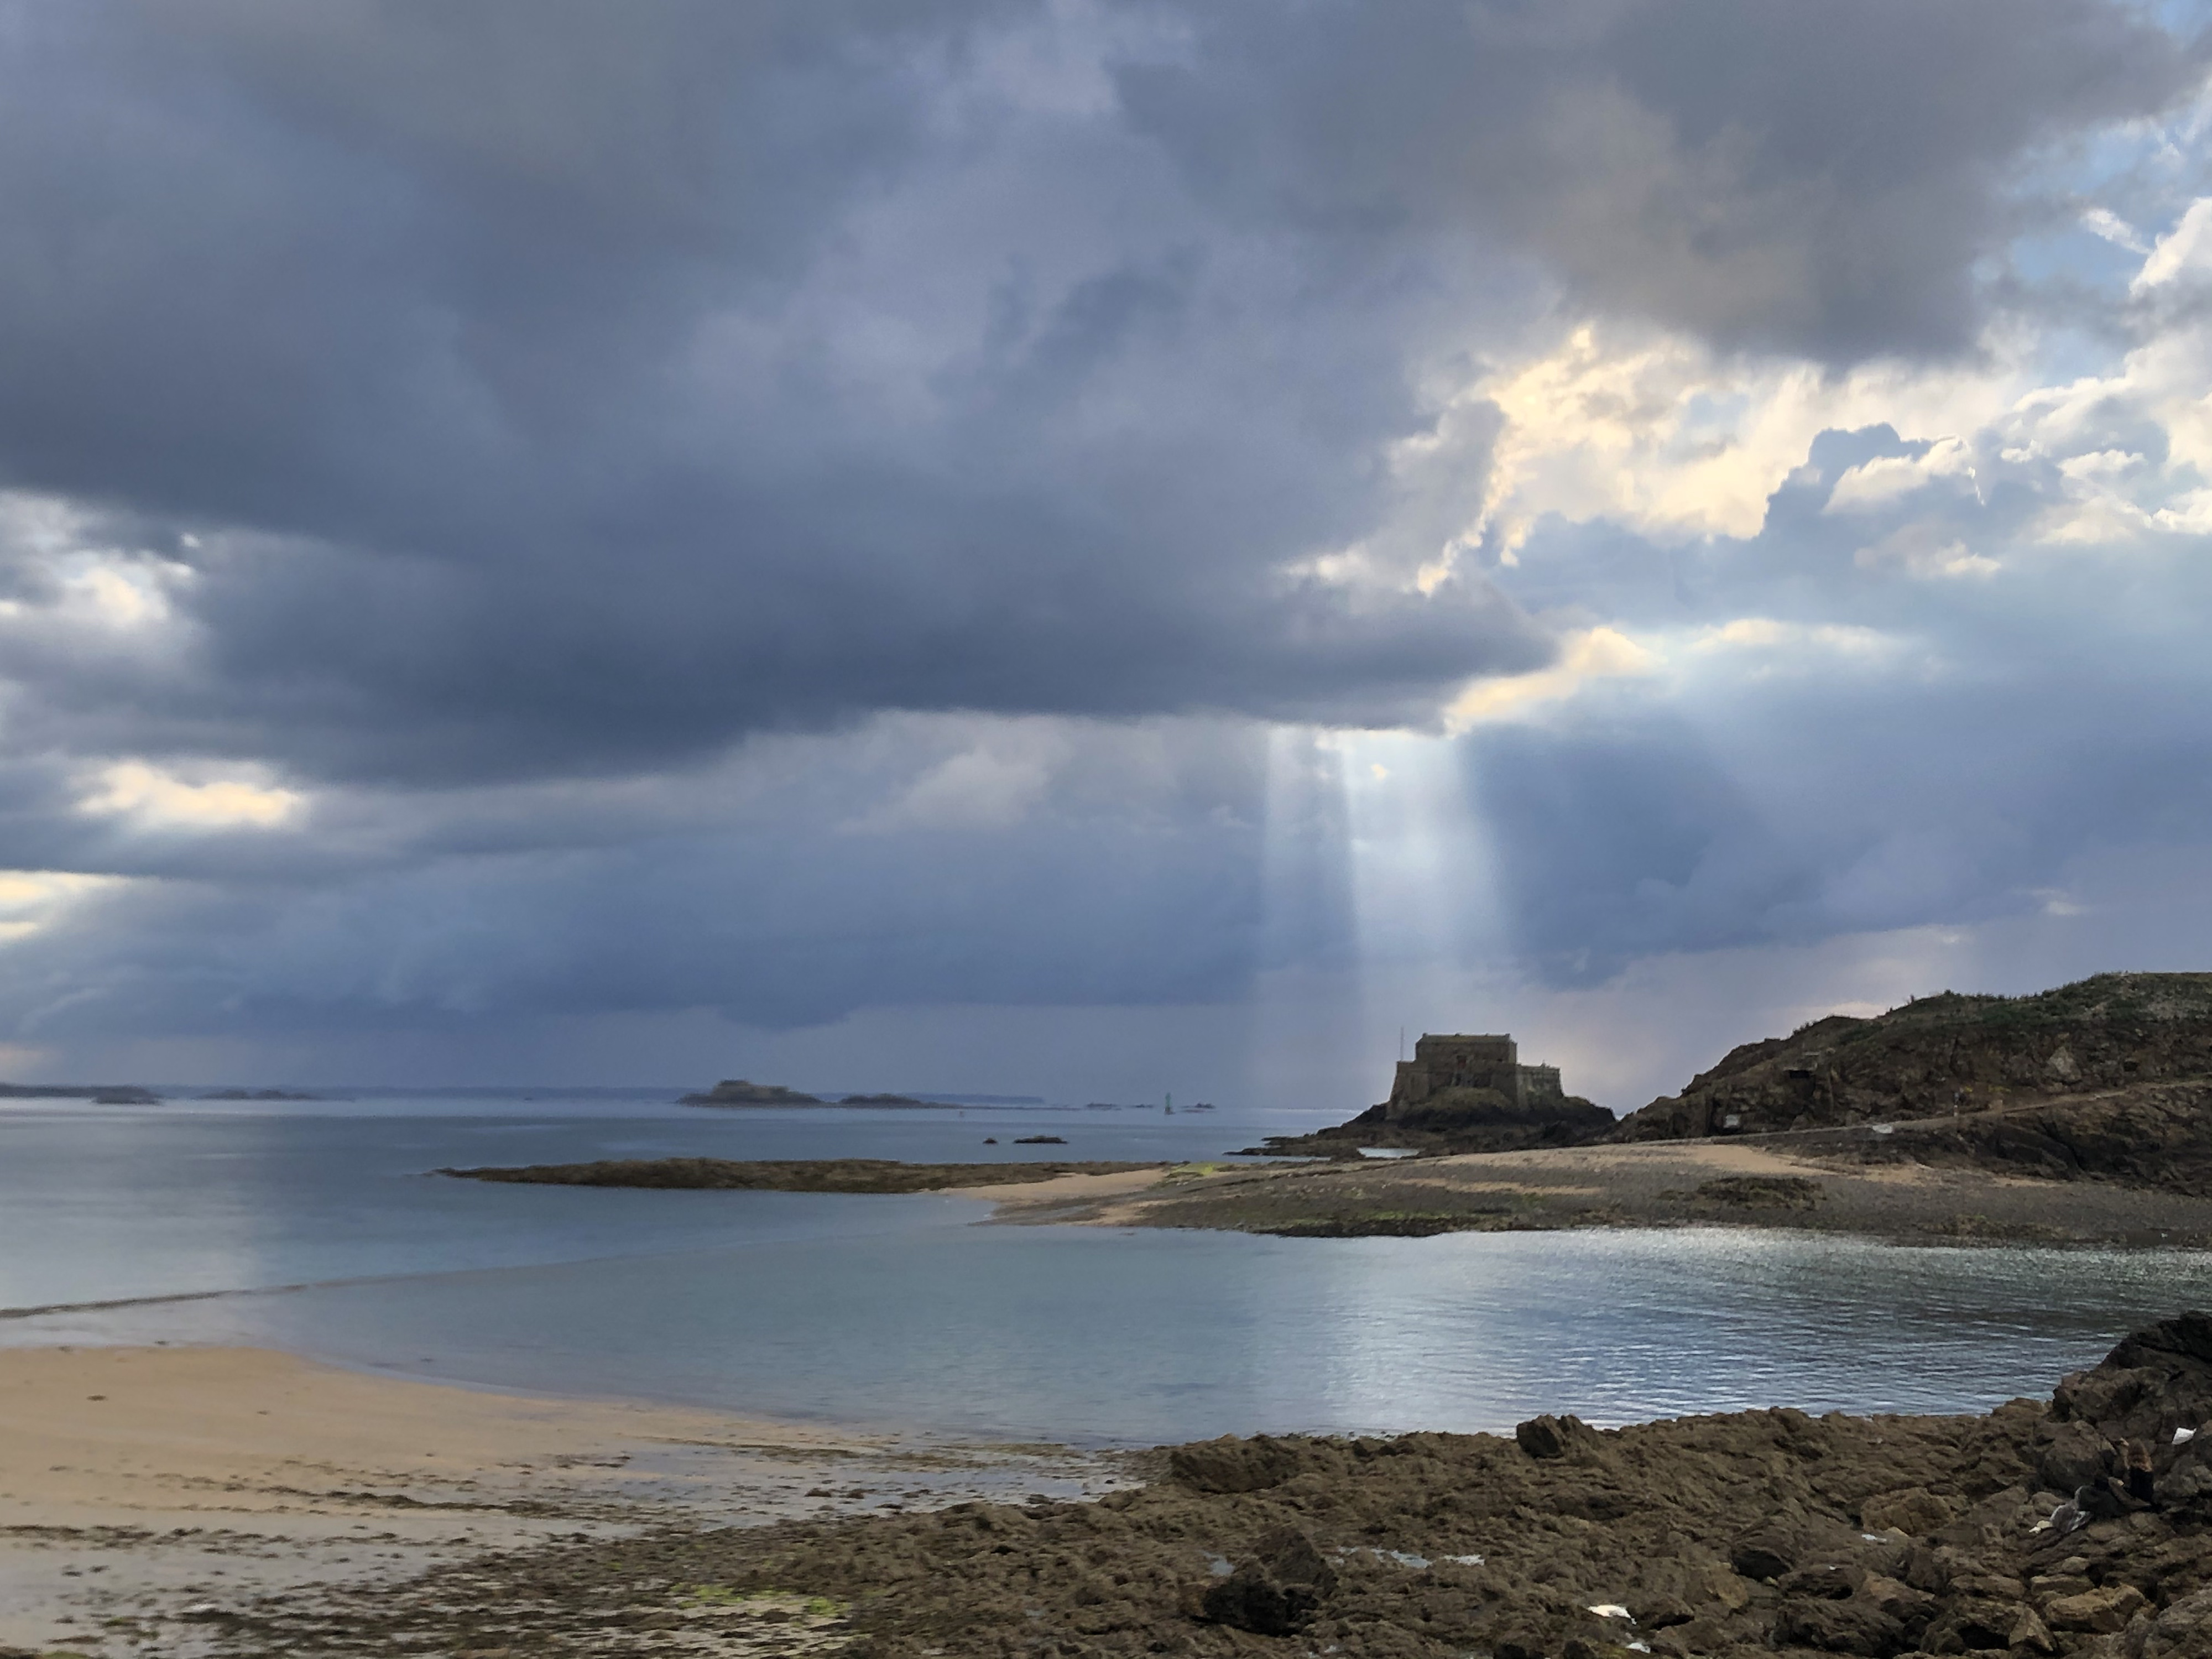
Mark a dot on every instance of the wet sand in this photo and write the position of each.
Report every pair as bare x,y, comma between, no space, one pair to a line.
145,1493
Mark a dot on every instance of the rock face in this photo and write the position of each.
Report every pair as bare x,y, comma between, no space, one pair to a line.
737,1091
2156,1134
1941,1055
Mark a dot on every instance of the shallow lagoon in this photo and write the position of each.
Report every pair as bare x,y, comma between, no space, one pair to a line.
898,1310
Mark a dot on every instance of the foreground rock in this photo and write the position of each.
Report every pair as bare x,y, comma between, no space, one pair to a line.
1754,1534
819,1175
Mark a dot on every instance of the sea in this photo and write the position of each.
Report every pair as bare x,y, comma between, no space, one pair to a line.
321,1228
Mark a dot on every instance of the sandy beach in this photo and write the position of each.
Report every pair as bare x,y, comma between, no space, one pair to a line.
145,1493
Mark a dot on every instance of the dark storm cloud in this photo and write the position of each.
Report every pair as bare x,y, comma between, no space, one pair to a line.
557,392
1813,179
557,389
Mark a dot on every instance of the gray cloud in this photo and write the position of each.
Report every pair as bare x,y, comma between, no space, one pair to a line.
554,393
1819,180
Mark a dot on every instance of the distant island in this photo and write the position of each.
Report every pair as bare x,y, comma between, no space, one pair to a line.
737,1092
740,1092
260,1094
100,1094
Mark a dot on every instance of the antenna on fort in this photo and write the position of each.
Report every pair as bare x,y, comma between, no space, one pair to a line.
1401,1044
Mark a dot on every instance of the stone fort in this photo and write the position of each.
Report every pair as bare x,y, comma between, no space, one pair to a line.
1447,1062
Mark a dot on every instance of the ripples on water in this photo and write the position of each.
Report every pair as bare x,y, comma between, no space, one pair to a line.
896,1309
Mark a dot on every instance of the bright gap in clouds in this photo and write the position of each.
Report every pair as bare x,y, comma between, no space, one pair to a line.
149,798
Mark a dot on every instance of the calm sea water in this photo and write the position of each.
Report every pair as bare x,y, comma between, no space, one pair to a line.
901,1310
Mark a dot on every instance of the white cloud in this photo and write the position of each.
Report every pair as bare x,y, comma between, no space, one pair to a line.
152,798
1770,635
2103,221
1888,479
33,900
1588,655
1916,550
2186,250
1659,433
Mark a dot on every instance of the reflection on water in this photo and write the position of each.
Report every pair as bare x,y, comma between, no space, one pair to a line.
895,1310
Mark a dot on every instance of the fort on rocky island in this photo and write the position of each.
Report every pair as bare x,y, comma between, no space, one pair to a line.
1461,1093
1446,1063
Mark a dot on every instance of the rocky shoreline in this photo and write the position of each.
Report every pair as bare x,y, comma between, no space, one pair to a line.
2078,1527
819,1175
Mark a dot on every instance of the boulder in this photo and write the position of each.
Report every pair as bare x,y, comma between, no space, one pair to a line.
1549,1437
1230,1464
2183,1631
2077,1455
2151,1383
1276,1592
2098,1612
1849,1626
1915,1511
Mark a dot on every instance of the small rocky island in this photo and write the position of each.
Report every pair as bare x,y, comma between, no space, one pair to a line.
100,1094
739,1091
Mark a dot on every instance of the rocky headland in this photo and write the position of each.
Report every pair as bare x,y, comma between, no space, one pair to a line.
2123,1055
2078,1527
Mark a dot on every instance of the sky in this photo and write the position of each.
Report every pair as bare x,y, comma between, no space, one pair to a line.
1089,548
